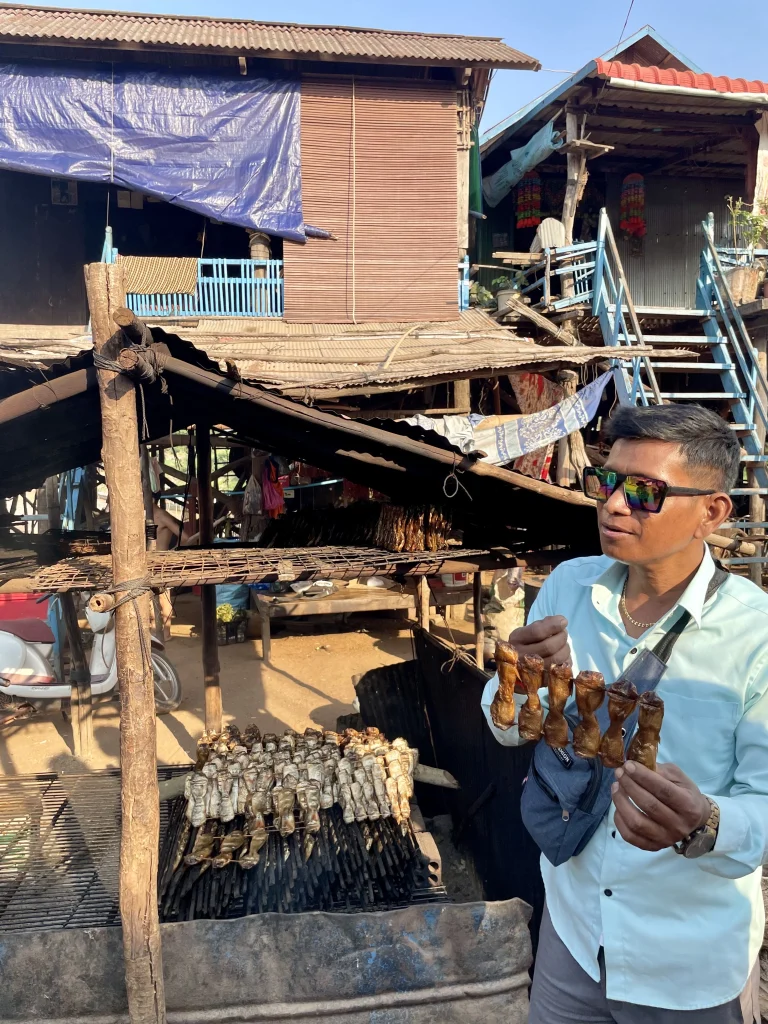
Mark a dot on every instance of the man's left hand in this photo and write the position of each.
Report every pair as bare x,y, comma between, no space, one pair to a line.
655,810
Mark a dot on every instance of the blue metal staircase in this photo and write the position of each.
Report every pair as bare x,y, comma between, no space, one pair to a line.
718,350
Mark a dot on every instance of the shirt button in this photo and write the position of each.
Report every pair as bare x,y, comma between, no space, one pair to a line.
633,651
613,834
608,892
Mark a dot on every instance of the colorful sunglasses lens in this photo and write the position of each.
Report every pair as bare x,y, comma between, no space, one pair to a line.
643,495
599,485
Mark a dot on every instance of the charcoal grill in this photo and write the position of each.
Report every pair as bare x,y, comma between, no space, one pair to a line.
59,858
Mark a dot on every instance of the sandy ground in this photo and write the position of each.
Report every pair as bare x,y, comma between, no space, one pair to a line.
309,682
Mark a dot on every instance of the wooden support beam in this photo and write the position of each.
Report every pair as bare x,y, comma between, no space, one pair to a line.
574,188
81,702
138,781
211,667
423,588
682,155
461,397
477,609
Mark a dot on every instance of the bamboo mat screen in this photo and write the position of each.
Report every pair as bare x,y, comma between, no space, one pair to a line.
379,171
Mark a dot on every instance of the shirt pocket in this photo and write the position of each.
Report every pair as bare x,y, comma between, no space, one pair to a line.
699,736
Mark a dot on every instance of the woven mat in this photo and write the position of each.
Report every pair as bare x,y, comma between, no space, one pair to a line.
159,275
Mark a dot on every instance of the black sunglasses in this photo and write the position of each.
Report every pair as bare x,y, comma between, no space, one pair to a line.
641,493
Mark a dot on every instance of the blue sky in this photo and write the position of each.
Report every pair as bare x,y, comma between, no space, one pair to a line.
723,38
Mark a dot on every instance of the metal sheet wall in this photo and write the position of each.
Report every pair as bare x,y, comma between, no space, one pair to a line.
662,270
379,171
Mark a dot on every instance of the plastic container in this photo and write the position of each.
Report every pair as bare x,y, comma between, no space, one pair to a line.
454,579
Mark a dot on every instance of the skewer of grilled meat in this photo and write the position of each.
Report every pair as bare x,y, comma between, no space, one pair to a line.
503,705
590,694
531,719
560,685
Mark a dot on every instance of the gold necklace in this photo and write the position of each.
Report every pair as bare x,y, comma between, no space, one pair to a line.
623,609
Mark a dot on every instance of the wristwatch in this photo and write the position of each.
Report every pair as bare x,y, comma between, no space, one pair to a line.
702,840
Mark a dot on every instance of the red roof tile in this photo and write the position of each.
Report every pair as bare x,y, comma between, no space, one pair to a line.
686,79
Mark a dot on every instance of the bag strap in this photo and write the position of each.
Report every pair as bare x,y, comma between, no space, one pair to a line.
663,649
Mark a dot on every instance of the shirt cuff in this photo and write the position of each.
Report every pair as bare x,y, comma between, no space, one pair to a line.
734,826
506,737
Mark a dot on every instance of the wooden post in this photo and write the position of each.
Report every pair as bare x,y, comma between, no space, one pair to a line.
575,182
477,608
571,452
424,603
80,680
138,761
496,394
461,396
211,668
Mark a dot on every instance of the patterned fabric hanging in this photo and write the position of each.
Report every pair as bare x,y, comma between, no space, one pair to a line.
529,201
632,221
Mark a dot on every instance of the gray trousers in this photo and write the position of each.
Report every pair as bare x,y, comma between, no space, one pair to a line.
563,993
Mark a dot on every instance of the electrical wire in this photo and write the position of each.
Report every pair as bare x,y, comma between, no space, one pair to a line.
618,44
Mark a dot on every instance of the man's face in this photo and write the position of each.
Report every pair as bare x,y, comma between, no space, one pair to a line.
642,538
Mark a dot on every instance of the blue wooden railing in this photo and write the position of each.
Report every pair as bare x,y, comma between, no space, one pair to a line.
224,288
247,288
237,288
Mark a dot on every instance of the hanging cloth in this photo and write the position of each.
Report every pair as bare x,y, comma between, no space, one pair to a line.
273,499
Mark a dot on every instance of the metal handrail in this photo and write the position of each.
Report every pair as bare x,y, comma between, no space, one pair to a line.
617,294
753,374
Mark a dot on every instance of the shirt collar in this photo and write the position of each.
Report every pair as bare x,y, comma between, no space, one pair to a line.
609,582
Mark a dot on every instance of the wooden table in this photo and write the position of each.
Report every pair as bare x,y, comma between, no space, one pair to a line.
357,599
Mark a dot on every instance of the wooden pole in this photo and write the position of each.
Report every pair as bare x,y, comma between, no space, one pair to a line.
80,680
211,668
424,603
477,608
138,762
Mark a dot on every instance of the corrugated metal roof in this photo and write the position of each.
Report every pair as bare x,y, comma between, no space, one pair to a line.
669,76
164,31
351,359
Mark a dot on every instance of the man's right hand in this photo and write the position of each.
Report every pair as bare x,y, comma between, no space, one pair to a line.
548,638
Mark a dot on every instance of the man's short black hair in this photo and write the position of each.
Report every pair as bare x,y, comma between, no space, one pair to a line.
706,441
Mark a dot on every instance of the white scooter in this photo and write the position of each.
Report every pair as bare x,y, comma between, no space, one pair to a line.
27,673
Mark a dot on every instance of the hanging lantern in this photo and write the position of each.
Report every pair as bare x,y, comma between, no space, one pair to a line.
529,201
632,221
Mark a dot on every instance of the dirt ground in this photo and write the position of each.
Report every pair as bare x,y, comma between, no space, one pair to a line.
309,682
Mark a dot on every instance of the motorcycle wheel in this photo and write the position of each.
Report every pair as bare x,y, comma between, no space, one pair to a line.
167,685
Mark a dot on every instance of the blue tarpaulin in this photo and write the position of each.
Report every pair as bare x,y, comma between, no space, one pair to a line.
227,148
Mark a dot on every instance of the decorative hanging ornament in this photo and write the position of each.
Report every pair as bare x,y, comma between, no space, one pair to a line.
529,201
632,221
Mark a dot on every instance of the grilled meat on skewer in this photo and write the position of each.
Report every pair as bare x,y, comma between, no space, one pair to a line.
622,698
531,717
645,743
503,706
590,694
560,684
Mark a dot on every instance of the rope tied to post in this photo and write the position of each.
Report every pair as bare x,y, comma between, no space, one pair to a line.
144,365
128,590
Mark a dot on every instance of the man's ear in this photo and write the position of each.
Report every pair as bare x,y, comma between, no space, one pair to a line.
716,510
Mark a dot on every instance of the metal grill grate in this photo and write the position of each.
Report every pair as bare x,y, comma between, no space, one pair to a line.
59,849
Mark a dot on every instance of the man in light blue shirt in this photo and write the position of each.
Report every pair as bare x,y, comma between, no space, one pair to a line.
659,920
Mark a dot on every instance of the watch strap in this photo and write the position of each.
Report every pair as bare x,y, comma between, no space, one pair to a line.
710,826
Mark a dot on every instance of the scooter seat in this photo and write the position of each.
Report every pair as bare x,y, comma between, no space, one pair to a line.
32,631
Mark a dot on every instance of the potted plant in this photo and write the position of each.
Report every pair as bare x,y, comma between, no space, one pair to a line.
748,230
507,288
